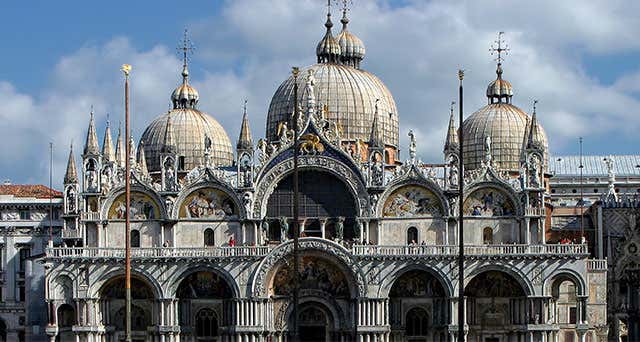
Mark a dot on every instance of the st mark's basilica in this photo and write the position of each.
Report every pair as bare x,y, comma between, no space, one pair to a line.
212,238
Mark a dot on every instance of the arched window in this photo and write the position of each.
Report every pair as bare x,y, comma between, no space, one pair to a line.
66,316
135,238
206,323
417,323
412,235
209,240
487,236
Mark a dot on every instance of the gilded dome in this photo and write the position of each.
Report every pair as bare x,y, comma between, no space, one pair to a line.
183,130
350,95
507,127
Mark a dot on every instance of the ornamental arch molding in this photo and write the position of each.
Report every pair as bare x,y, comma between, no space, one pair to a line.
517,274
328,304
177,277
565,274
335,252
97,285
270,180
391,278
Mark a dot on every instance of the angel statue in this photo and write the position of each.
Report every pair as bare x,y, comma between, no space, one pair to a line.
283,133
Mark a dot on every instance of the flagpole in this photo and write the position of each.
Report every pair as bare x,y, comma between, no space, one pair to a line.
51,194
460,219
296,149
127,275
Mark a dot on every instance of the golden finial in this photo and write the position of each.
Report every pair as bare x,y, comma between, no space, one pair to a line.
295,71
126,69
460,74
185,47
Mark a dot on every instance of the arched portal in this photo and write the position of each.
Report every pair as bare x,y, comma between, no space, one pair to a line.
204,306
326,296
323,197
314,323
112,301
418,307
496,302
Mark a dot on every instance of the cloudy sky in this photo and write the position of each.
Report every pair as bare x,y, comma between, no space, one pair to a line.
581,60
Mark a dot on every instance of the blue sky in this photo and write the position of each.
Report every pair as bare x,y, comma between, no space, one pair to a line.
62,57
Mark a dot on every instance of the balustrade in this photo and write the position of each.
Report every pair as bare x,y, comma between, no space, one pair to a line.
470,250
90,216
597,265
359,250
158,252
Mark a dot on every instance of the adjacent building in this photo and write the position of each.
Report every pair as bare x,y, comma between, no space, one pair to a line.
29,216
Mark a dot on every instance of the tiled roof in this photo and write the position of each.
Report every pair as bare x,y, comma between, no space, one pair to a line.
29,190
624,165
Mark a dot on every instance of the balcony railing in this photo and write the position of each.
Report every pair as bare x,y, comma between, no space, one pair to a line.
90,216
574,250
479,250
71,234
597,265
158,252
535,211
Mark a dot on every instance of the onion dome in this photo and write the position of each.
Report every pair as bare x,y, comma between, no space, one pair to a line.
187,128
328,49
185,96
505,125
499,90
351,47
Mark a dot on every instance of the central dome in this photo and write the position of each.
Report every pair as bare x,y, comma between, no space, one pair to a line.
349,93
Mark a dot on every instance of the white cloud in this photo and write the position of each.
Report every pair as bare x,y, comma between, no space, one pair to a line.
247,50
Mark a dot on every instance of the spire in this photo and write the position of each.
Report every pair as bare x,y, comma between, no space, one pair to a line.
452,141
376,139
244,140
169,145
120,150
185,49
328,50
107,145
91,146
142,159
532,136
71,176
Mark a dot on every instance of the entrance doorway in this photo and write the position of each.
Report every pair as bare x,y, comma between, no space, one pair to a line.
313,324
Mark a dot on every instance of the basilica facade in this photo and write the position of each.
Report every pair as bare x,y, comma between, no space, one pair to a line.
211,224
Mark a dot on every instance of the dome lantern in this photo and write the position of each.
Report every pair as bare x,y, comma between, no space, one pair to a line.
351,47
185,96
328,49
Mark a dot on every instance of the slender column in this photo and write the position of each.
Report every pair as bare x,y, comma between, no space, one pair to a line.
323,223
